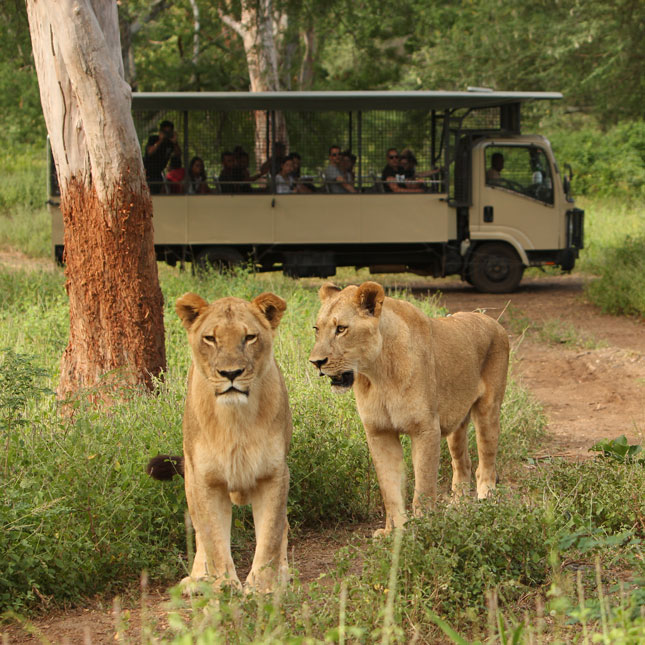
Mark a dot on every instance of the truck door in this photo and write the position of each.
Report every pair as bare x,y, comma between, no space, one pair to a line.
516,196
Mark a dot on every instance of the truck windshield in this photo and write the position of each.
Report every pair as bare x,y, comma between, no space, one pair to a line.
522,169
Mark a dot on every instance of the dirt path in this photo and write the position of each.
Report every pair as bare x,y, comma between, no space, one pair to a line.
588,393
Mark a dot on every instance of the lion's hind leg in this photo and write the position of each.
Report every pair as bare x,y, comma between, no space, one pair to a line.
486,411
461,466
485,414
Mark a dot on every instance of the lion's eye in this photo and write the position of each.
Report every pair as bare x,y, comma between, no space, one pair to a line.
340,329
250,338
210,340
315,330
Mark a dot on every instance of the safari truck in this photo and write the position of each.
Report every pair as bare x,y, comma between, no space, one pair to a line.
487,201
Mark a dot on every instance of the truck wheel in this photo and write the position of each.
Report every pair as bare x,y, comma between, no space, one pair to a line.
218,259
495,268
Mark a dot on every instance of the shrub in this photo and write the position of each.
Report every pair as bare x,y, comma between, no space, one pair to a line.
605,162
620,287
450,558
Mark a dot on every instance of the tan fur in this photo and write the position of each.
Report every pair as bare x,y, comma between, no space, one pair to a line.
415,375
236,442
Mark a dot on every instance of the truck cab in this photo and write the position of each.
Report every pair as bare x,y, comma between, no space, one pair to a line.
521,213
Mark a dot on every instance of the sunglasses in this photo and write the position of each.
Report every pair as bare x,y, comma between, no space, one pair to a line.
335,154
393,156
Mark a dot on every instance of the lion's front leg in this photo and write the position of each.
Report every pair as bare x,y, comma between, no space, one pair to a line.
387,455
210,512
269,505
426,447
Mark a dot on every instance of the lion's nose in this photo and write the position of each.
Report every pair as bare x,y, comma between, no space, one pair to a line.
319,362
231,375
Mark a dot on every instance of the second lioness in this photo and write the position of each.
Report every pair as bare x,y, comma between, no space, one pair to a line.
415,375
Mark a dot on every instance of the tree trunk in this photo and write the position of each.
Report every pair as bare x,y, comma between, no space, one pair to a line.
256,28
307,67
116,306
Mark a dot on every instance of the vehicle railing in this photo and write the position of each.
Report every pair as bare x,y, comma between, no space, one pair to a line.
370,183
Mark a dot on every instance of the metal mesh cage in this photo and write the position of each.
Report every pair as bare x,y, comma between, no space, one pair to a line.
367,135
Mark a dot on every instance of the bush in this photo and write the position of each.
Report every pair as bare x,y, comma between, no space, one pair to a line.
451,558
605,162
595,494
620,287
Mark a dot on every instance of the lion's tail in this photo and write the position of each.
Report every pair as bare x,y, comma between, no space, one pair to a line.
165,467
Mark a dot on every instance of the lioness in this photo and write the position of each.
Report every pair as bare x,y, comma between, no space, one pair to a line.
237,430
414,375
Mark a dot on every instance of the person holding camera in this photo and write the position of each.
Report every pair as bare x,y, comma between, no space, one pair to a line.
159,149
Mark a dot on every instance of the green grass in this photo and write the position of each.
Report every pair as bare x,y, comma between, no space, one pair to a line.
615,253
551,331
23,177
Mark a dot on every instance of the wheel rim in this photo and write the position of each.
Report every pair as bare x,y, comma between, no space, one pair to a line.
497,268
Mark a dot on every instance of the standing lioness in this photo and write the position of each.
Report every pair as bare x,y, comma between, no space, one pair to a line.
237,430
415,375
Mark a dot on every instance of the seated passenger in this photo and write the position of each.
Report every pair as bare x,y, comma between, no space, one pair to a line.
197,184
158,151
301,187
347,161
393,177
494,173
175,177
409,165
335,181
284,183
242,164
279,151
230,179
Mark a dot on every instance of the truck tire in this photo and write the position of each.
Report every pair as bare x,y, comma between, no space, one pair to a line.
495,267
219,259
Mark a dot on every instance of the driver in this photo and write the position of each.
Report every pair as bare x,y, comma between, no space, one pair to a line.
494,173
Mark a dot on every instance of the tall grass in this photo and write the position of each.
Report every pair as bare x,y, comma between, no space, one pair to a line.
615,253
24,221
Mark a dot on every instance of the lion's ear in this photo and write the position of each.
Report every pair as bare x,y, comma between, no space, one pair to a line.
369,298
327,290
271,306
188,307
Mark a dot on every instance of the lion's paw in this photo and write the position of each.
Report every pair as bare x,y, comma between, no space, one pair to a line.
201,586
379,533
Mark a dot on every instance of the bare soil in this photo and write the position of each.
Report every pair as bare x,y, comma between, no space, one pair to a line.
589,391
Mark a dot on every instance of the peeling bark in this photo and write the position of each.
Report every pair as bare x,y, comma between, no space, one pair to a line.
116,307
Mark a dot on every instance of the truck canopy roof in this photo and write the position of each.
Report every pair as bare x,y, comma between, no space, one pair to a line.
332,101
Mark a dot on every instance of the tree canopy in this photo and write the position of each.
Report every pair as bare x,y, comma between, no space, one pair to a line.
591,51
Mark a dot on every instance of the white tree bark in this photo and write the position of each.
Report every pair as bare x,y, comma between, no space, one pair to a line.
116,314
257,29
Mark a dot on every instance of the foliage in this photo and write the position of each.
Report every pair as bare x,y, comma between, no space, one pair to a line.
606,161
450,558
620,288
594,494
18,385
590,51
620,450
23,176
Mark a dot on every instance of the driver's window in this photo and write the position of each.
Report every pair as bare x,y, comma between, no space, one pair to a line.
522,169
